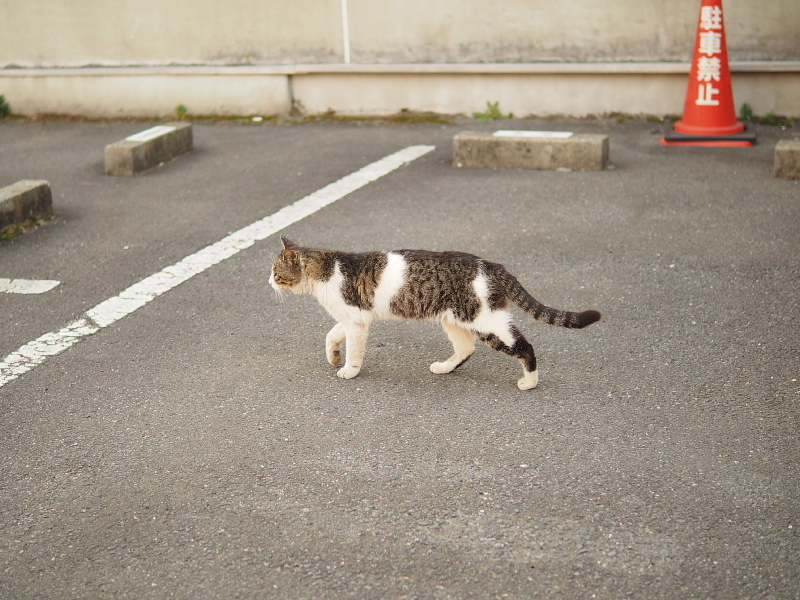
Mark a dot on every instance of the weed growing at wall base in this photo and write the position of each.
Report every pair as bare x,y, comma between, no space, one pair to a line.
5,107
491,113
746,113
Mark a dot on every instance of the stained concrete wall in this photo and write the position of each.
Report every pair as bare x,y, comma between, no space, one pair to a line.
44,33
142,58
579,30
524,89
41,33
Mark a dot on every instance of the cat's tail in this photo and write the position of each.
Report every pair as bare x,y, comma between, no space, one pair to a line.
561,318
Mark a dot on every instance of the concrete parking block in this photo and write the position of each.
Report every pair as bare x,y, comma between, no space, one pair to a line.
787,159
25,199
531,150
148,148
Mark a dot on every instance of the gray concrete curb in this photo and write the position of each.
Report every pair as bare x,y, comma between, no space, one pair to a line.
581,151
147,149
787,159
25,199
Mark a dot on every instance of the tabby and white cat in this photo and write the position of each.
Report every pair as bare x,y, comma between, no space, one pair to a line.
470,296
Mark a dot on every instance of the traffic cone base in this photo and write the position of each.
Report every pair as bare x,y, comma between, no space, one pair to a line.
744,138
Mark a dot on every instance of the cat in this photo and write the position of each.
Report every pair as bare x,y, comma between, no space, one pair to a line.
470,296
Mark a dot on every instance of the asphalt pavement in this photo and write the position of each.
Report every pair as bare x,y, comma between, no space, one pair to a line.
202,447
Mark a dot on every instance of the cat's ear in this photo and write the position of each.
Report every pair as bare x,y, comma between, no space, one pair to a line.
291,256
287,243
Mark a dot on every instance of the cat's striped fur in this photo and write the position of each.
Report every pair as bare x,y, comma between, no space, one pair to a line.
470,296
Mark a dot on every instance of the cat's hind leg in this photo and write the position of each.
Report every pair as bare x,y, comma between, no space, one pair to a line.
356,335
463,342
333,345
520,348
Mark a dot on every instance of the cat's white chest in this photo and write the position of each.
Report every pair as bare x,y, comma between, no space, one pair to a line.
329,295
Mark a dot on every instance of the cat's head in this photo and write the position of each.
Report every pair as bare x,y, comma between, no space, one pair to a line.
287,270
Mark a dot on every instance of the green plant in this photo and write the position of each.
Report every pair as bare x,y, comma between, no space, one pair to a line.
491,113
746,112
16,229
5,108
771,119
180,112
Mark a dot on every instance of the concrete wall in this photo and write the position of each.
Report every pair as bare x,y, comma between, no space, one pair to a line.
144,92
62,33
524,89
659,91
48,33
578,30
142,58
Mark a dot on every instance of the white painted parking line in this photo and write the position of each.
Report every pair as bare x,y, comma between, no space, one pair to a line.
104,314
558,135
150,134
27,286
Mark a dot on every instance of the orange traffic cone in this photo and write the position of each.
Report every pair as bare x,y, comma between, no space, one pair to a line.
709,116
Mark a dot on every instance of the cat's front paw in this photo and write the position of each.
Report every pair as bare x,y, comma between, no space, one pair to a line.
443,367
335,358
348,372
